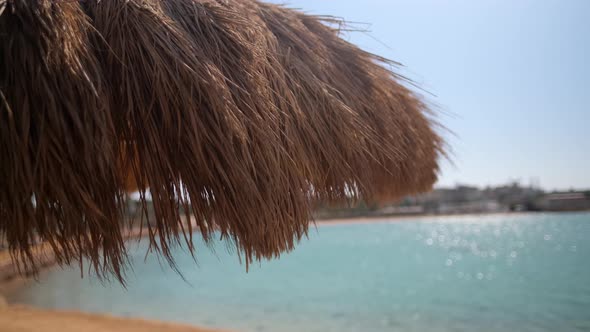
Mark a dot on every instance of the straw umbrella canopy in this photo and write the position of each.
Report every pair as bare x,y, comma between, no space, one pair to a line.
242,114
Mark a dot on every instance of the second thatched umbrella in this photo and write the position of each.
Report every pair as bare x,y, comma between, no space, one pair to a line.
247,115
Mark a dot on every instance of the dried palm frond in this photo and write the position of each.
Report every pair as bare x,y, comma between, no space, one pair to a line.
377,126
241,114
200,131
57,141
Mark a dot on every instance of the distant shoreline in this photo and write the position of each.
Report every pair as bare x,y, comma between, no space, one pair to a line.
414,217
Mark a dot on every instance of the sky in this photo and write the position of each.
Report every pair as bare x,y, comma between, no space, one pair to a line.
510,79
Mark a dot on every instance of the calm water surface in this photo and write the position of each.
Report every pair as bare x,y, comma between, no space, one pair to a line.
492,273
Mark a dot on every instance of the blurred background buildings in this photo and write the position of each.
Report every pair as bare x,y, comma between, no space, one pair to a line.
463,199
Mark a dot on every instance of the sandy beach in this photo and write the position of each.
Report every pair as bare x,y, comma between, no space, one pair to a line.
23,319
26,319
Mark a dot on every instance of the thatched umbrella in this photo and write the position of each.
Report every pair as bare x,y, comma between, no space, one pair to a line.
244,115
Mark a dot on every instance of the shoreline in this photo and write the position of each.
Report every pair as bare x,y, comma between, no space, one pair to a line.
420,217
11,278
371,219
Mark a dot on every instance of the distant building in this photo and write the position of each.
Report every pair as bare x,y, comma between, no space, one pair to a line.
400,210
483,206
572,201
471,200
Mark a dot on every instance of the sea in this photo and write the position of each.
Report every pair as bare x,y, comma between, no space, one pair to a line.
507,272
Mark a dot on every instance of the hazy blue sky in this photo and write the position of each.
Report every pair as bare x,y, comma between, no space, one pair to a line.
515,76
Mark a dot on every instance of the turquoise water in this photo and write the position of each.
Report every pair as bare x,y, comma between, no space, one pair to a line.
491,273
